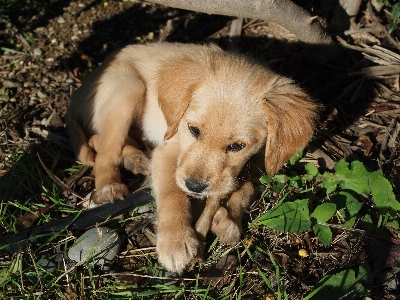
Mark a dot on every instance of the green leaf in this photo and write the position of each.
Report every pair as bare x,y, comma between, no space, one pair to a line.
350,223
289,216
281,178
355,178
392,27
324,233
359,180
365,274
396,12
330,182
265,179
311,170
296,157
347,204
342,285
324,212
383,196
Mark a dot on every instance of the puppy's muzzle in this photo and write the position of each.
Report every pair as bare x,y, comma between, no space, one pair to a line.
195,186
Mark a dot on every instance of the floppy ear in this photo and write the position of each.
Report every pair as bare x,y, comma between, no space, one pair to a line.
291,115
178,79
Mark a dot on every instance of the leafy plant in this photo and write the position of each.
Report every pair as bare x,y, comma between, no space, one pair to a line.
347,190
349,195
395,7
342,285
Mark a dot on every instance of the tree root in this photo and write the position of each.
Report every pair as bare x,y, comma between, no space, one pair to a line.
283,12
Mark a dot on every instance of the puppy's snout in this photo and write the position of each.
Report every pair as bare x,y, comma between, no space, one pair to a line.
195,186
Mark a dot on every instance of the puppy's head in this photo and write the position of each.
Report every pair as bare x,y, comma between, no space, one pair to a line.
223,112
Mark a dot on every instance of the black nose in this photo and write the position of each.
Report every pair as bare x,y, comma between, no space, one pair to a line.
195,186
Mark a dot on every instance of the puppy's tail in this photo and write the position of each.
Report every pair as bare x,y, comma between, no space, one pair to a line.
79,142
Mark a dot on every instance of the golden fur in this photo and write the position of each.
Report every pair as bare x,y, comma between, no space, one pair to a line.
207,113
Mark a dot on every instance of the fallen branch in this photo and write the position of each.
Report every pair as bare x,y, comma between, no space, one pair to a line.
283,12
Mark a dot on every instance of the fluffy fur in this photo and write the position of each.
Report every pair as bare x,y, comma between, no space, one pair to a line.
206,112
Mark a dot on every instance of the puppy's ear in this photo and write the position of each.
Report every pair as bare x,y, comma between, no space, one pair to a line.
178,79
291,116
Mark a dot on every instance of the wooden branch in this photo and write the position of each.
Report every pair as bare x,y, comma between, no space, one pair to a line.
283,12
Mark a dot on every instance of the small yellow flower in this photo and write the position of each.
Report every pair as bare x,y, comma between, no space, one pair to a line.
105,4
270,297
303,253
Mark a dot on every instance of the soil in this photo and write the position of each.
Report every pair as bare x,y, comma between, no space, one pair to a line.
58,42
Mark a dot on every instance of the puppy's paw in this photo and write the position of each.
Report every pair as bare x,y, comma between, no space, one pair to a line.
110,192
227,230
177,250
138,164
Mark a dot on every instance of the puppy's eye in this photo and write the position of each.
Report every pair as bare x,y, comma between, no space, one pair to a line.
235,147
194,131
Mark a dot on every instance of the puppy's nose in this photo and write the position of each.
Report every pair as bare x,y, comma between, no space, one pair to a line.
195,186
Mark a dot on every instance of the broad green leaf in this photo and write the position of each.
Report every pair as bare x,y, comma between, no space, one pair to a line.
330,182
311,170
342,285
281,178
347,204
396,12
265,179
364,274
324,212
289,216
350,223
383,196
324,233
392,27
355,178
359,180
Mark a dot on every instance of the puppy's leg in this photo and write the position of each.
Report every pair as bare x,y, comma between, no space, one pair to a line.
227,222
120,100
177,243
134,159
203,224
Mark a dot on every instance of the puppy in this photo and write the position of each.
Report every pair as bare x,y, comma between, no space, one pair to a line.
207,112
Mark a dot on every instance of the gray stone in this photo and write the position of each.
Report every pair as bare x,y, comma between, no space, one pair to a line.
37,52
54,120
98,245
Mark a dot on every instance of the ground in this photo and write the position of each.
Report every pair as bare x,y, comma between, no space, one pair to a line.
48,47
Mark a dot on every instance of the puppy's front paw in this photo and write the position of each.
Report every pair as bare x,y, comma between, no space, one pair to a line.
138,164
177,249
110,192
227,230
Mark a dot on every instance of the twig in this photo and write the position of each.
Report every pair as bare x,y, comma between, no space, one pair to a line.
386,138
144,276
299,22
362,30
36,269
58,181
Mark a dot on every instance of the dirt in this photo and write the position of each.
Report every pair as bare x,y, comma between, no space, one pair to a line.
58,42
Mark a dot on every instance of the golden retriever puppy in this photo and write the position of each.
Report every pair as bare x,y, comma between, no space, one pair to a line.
206,112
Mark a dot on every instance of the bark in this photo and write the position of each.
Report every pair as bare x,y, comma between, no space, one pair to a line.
283,12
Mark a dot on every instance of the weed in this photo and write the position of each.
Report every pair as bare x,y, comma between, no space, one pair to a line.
395,7
345,198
